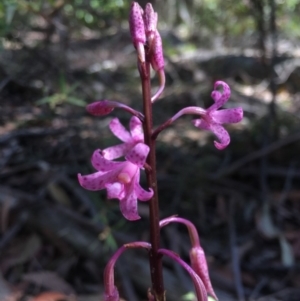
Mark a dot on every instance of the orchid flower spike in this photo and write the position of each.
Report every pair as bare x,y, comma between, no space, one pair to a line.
120,179
212,118
143,30
104,107
130,139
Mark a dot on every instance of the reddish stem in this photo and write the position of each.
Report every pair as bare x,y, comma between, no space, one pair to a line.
155,257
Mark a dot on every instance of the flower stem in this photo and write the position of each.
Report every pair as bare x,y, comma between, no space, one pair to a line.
154,256
199,286
184,111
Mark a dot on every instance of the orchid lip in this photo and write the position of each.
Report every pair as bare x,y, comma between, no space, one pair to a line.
124,178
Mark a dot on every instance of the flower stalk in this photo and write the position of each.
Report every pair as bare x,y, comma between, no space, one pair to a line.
199,286
110,291
155,258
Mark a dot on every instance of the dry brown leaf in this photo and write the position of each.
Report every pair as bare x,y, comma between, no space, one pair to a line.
59,194
97,297
22,252
49,280
53,296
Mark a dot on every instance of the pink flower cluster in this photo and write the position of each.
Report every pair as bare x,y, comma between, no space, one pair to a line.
121,179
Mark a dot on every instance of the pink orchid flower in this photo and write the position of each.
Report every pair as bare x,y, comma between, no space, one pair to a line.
212,118
130,139
121,179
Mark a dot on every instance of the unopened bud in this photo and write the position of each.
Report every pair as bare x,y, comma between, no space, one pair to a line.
104,107
137,29
100,108
150,21
150,295
156,54
136,24
114,296
199,265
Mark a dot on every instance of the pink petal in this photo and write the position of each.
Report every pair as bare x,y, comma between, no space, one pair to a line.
222,135
136,129
138,154
95,181
228,115
128,207
217,129
100,179
219,98
119,130
115,191
141,193
102,164
116,151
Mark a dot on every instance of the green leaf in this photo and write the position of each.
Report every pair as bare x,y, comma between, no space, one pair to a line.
43,100
10,11
62,83
73,87
76,101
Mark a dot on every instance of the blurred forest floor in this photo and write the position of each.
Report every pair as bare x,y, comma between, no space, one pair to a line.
245,200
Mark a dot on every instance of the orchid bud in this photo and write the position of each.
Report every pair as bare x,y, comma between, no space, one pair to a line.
199,265
110,291
150,295
114,296
101,107
156,54
104,107
150,21
137,29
